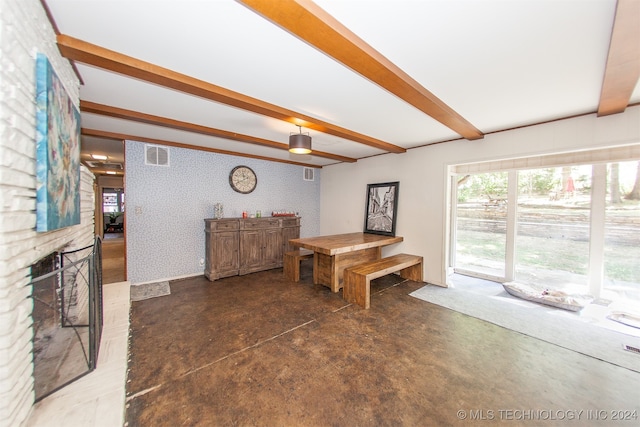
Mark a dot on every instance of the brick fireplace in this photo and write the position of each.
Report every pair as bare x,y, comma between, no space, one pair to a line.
26,31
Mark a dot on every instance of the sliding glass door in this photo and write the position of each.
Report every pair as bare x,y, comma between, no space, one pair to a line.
622,231
572,227
552,240
481,224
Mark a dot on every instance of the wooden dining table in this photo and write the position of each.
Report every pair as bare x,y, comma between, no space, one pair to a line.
333,253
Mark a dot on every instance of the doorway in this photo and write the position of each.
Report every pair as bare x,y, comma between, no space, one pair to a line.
110,225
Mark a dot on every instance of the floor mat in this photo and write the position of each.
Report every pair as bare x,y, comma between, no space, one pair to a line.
555,326
149,290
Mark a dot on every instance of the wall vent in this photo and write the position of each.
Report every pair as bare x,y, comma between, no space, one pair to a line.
307,174
632,349
156,155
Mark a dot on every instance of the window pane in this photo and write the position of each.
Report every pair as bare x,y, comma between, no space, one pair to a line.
110,202
113,200
622,232
481,212
552,240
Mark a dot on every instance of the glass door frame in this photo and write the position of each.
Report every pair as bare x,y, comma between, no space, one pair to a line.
595,273
509,261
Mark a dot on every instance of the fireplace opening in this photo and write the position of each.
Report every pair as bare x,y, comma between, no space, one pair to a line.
66,289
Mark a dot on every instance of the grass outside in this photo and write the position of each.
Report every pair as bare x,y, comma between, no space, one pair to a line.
559,263
550,254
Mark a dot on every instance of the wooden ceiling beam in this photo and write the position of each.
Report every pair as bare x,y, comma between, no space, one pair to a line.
87,53
121,113
623,61
123,137
313,25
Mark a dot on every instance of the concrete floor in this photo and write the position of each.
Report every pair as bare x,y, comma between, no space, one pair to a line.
259,350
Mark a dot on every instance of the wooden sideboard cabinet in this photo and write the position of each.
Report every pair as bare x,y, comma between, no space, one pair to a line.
237,246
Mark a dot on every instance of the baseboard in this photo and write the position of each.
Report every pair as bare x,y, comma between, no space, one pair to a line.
169,279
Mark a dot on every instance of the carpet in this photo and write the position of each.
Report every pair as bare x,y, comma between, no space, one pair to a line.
586,332
149,290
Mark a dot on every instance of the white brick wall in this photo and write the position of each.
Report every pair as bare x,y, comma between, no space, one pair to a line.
24,31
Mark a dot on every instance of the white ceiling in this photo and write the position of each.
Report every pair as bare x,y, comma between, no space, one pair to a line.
497,63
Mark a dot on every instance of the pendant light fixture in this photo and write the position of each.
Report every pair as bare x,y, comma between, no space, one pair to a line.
299,143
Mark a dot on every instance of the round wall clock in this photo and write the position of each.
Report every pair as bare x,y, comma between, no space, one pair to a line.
243,179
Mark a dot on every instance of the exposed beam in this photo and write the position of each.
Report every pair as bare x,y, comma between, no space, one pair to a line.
121,113
123,137
87,53
312,24
623,62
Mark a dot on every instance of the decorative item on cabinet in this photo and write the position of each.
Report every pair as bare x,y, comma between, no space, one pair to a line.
218,211
283,213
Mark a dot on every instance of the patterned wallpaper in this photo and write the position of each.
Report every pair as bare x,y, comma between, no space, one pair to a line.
166,205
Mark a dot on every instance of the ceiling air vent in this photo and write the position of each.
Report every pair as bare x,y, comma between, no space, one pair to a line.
308,174
105,165
156,155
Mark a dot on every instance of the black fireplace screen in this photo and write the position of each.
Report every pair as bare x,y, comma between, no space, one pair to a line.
67,317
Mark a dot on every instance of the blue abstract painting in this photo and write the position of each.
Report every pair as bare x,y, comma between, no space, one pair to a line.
57,152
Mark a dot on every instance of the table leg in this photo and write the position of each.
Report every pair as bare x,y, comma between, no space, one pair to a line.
322,269
328,270
316,268
349,259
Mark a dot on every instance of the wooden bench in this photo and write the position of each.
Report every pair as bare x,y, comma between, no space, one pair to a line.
357,279
292,263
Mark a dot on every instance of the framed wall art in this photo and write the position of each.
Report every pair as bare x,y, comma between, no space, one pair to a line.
57,152
382,208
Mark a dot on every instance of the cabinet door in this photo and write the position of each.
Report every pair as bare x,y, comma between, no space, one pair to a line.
272,248
226,253
251,242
